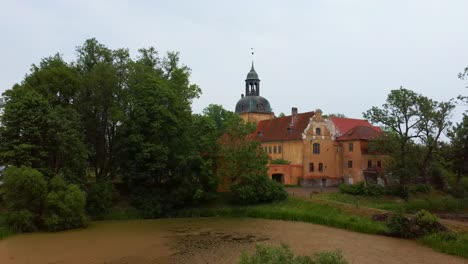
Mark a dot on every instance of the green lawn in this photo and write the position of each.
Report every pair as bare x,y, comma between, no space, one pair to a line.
432,202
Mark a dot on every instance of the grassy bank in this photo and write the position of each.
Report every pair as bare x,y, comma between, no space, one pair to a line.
432,202
450,243
293,209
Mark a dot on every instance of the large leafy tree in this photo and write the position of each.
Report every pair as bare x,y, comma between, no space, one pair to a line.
435,120
102,100
458,155
408,117
400,115
239,155
40,127
156,150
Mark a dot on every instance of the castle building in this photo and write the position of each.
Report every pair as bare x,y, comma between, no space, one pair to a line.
308,148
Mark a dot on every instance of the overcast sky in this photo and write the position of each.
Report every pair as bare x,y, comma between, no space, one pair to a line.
337,55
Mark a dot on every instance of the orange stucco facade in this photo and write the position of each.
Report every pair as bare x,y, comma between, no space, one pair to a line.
256,117
319,157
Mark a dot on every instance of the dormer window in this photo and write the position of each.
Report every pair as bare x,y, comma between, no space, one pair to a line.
318,131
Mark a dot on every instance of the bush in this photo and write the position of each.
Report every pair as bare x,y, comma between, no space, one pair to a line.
283,255
24,189
100,198
149,203
257,189
421,224
279,161
21,221
361,189
419,188
426,222
400,225
65,206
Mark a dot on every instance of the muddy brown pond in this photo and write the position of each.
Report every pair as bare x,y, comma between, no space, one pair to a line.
205,240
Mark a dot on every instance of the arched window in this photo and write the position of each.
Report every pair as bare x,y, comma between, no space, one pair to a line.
316,148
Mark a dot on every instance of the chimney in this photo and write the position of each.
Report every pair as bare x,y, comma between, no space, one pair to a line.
294,111
293,116
242,95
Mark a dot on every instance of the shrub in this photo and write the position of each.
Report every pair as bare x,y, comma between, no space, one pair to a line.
419,188
361,189
65,206
24,189
100,198
421,224
426,222
257,189
399,225
284,255
21,221
149,203
279,161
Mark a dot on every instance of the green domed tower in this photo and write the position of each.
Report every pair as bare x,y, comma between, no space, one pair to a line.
252,107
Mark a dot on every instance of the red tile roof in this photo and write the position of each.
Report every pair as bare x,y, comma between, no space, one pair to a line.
346,124
277,129
360,132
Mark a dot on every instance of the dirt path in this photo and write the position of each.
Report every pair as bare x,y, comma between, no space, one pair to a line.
205,240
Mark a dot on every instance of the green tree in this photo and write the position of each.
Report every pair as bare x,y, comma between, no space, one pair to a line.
219,115
101,101
400,116
458,154
156,146
243,164
40,127
435,119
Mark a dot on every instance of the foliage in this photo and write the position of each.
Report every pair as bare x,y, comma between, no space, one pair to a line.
362,189
25,190
408,116
257,189
450,243
40,127
419,188
120,118
100,197
33,203
420,224
64,206
280,161
219,115
283,255
455,155
21,221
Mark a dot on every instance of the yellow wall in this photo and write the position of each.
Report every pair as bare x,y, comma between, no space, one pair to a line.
256,117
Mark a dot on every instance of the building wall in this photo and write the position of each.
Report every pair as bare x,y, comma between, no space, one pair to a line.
256,117
318,133
291,151
291,173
